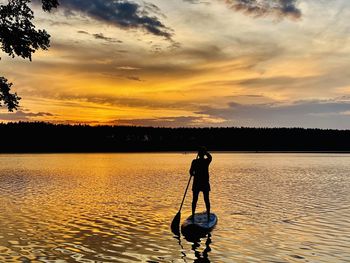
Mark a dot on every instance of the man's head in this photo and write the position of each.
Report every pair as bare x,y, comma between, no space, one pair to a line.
202,151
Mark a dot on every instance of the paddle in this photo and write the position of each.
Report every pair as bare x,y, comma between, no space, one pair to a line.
176,221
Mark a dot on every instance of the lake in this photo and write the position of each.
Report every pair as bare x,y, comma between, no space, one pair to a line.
118,208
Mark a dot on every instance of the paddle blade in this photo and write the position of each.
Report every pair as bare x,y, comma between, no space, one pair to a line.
175,224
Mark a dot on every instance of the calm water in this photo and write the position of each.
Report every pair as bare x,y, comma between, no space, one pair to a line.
118,207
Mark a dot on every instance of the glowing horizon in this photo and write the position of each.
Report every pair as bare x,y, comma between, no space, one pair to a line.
192,64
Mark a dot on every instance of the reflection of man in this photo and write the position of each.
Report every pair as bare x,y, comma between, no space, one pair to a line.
202,257
200,172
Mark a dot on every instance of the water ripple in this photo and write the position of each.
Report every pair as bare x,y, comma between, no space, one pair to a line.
117,208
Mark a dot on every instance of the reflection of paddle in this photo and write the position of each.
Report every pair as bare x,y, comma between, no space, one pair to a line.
175,225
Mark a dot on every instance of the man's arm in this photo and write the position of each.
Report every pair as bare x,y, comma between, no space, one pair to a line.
209,157
192,169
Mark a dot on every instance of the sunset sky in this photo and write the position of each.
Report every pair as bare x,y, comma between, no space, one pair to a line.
261,63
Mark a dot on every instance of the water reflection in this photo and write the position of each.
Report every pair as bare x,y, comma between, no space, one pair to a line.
202,256
107,208
200,247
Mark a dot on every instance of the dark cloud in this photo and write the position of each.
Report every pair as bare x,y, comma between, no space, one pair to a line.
22,116
100,36
196,2
108,39
181,121
122,76
135,78
258,8
307,114
122,13
336,78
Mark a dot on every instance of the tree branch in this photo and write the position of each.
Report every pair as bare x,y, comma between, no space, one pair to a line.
11,100
19,37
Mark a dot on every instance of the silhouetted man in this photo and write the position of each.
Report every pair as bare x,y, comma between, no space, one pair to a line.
200,172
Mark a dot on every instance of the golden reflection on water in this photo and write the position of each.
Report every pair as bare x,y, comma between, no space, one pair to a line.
118,207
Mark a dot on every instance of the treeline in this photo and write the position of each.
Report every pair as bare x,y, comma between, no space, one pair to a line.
46,137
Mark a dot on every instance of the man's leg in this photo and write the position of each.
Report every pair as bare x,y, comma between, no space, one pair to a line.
194,203
207,203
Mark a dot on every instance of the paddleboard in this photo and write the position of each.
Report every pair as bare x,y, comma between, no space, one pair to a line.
200,224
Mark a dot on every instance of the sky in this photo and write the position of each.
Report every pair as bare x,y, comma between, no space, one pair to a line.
188,63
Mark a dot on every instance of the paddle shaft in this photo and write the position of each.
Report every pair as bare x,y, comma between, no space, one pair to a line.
188,184
183,199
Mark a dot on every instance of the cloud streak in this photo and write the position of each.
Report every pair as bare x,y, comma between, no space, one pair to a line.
23,116
108,39
179,121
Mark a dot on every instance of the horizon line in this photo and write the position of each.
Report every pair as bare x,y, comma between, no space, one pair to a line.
165,127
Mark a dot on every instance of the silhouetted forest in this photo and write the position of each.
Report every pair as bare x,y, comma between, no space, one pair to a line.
45,137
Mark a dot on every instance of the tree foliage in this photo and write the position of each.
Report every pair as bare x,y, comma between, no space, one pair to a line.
9,99
47,137
19,37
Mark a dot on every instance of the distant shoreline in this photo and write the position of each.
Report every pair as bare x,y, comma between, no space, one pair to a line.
39,137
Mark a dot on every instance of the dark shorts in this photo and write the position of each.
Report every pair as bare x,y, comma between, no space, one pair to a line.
201,188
